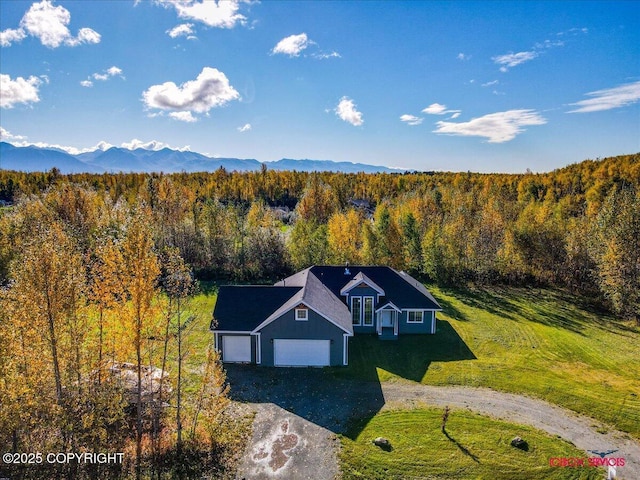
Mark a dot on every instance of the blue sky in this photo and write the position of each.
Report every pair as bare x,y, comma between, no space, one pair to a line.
483,86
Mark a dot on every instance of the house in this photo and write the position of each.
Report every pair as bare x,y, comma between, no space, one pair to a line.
307,318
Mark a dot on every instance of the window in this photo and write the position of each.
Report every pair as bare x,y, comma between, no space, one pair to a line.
302,314
368,311
415,316
356,307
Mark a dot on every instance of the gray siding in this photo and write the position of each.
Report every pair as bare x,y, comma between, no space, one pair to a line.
424,327
361,329
362,291
315,328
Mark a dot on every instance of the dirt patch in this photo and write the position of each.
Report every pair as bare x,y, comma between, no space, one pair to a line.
282,444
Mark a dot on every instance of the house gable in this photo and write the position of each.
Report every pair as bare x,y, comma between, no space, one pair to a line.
361,281
316,328
315,296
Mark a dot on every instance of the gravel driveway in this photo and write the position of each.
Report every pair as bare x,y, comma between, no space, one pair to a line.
300,411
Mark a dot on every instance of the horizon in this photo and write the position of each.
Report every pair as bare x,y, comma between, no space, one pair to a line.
327,161
488,87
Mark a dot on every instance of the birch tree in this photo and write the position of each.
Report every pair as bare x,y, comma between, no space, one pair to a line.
141,270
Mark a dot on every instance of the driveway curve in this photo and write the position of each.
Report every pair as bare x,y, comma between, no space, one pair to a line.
577,429
300,411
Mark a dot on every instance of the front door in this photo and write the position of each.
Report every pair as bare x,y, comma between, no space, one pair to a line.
386,319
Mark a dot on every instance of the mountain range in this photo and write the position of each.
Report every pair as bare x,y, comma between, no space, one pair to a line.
115,159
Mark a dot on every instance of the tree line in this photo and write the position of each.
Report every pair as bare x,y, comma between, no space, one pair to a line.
576,227
98,348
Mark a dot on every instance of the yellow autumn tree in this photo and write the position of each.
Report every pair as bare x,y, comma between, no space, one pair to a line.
344,237
140,270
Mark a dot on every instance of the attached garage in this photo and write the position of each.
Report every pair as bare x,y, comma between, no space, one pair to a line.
236,348
301,353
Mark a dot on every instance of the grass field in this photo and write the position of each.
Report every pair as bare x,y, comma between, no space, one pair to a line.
474,447
536,342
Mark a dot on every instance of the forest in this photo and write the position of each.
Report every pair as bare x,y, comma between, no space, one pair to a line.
98,274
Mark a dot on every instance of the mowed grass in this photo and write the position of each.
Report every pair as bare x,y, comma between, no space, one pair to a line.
537,342
474,447
198,335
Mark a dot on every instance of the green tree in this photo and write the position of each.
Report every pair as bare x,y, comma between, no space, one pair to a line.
616,251
307,244
412,243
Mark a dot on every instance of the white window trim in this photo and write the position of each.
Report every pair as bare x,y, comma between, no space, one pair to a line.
360,315
298,311
373,311
416,311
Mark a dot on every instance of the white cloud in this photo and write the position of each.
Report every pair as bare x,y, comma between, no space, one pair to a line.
48,23
10,35
488,84
108,73
184,116
411,119
245,128
102,145
292,45
20,90
513,59
85,35
497,127
609,98
439,109
102,77
182,30
455,115
7,136
324,56
346,110
209,90
113,71
461,56
20,141
213,13
151,145
435,109
549,44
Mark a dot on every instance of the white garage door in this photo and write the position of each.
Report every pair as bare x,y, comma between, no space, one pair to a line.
236,348
301,353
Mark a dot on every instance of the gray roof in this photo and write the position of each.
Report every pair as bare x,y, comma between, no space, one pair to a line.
317,297
249,308
241,308
400,288
419,286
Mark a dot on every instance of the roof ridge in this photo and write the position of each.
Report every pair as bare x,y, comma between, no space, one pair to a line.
416,284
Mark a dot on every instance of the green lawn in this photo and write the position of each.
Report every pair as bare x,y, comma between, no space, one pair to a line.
537,342
474,447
